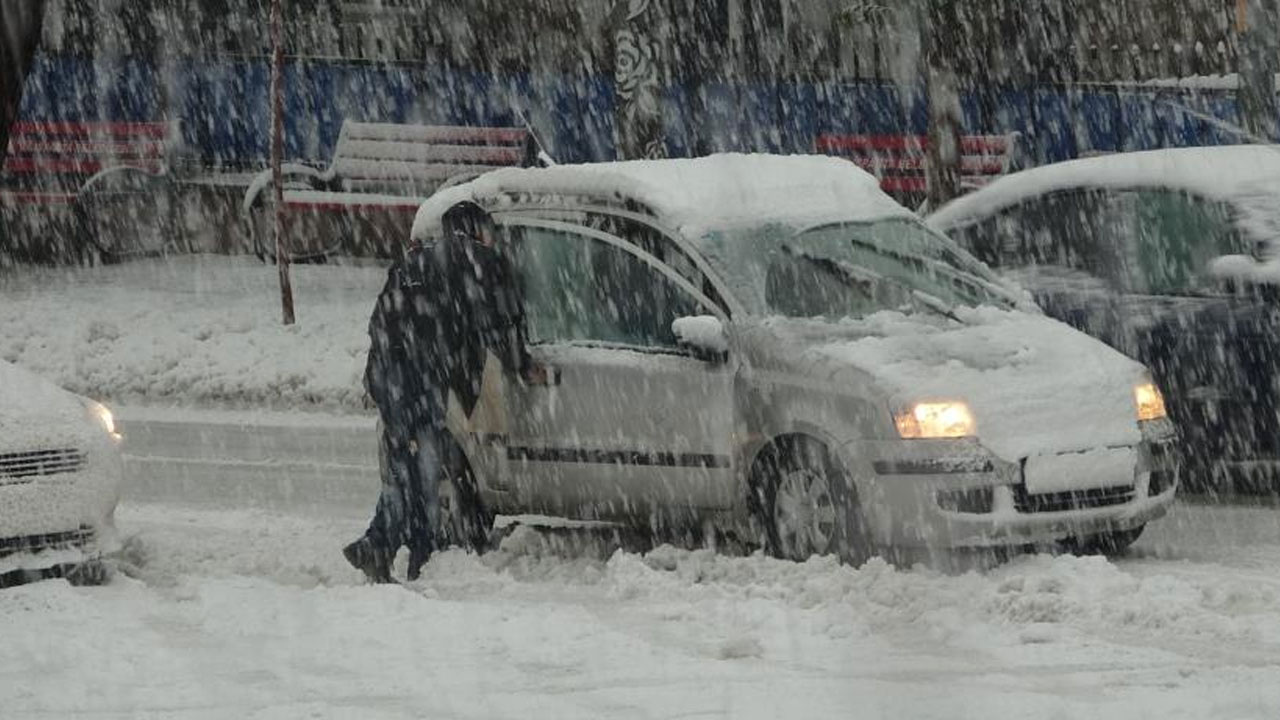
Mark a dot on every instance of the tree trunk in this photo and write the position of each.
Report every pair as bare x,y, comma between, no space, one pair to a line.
942,43
277,156
637,29
20,26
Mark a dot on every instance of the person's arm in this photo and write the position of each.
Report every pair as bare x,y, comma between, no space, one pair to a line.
516,333
382,344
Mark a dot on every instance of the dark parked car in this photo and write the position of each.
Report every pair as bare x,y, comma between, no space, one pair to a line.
1169,256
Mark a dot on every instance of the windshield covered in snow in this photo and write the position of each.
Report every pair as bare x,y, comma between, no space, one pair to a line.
848,270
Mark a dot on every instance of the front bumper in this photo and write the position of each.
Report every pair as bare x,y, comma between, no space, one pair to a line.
955,494
72,503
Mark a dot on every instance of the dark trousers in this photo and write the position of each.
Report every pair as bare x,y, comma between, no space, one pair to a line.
408,511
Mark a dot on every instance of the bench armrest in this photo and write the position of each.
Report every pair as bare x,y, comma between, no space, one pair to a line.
289,172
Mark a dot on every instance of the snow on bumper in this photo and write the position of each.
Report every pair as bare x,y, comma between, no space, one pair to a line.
67,506
955,494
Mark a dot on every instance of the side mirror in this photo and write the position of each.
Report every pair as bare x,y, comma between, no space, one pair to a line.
703,335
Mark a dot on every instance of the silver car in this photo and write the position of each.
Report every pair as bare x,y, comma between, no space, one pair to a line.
771,347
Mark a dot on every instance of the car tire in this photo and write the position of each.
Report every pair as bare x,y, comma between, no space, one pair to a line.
805,504
90,573
1109,544
464,520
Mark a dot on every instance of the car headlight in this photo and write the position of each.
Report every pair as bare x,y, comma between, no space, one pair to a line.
1150,402
935,420
104,417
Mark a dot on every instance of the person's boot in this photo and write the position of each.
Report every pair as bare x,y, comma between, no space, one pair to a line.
417,558
368,559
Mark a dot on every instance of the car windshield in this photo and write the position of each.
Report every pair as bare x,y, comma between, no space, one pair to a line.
849,270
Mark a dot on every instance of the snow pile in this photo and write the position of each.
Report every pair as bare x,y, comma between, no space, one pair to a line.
33,410
703,331
694,196
193,330
255,615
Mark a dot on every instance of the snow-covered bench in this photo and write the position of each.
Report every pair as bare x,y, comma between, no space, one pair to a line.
900,161
379,175
102,182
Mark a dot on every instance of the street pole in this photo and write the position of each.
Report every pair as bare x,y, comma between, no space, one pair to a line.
277,156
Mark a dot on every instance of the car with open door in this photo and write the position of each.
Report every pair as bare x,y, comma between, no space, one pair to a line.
1164,255
770,346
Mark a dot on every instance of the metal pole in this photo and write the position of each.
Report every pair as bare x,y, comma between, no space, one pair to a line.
277,155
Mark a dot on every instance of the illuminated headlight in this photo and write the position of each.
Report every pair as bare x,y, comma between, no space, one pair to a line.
1150,402
104,417
935,420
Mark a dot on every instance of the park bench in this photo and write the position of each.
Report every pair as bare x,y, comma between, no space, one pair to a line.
65,184
901,162
365,201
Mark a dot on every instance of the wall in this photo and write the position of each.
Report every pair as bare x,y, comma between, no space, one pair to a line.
220,106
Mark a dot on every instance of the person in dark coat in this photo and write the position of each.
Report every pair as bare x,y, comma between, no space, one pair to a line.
443,309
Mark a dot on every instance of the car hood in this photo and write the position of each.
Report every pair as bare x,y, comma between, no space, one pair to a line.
35,413
1034,384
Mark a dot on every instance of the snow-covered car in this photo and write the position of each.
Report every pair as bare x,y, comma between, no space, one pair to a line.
771,346
60,474
1167,255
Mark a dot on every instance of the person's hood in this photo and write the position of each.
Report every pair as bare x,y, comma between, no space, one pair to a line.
1034,385
35,413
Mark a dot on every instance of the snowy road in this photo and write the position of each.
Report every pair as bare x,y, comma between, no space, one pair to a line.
260,459
250,612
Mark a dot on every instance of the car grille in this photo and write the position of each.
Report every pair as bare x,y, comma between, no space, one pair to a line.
48,541
24,467
1025,502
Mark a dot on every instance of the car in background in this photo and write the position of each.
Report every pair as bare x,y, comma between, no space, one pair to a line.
60,475
1162,254
771,347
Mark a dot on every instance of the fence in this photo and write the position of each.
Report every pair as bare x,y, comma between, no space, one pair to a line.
220,105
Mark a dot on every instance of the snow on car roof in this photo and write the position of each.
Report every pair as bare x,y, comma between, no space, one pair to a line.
694,196
1247,175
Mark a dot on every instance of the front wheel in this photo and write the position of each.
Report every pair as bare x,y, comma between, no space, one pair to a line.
806,505
1110,544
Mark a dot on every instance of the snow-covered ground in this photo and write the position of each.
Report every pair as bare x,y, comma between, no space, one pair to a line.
193,330
234,602
246,614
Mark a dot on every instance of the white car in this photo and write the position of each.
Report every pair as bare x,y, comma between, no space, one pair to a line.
60,475
773,347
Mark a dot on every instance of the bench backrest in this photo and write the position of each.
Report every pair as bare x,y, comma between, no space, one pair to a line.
417,159
901,161
61,156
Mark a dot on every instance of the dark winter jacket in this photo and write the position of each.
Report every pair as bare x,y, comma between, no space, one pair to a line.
433,323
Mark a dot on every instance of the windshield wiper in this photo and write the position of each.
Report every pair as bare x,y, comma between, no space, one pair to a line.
935,303
860,279
855,278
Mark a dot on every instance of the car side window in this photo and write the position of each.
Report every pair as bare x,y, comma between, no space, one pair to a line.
581,289
1064,230
658,245
1172,236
